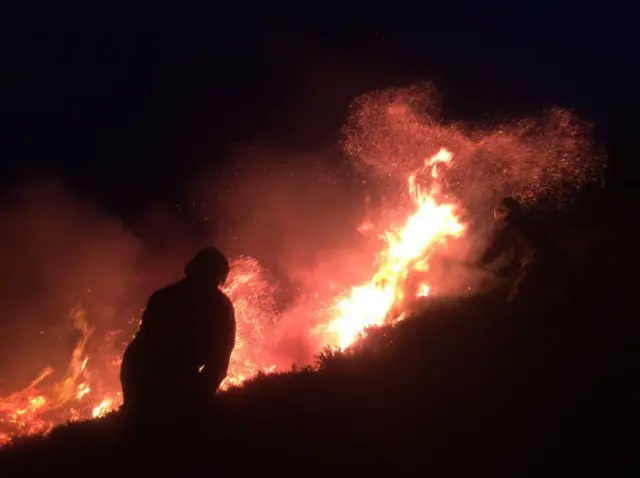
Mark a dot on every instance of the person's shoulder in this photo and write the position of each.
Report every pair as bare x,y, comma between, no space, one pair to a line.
167,292
501,227
531,225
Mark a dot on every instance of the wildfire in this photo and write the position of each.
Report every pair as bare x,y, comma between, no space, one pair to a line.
86,392
35,411
381,299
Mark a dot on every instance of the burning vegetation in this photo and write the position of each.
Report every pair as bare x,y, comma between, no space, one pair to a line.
434,172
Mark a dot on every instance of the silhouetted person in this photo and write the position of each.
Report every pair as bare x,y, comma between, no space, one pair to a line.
181,353
532,256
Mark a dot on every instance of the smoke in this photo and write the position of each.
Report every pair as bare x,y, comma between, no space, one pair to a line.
55,251
288,210
298,213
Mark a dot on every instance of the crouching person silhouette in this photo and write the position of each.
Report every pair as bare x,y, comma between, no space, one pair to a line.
181,353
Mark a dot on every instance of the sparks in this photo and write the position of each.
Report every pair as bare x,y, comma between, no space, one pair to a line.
86,392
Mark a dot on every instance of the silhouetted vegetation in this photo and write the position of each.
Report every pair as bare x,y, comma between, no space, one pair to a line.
461,387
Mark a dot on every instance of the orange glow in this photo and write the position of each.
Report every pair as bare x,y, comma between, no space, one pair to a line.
84,393
386,136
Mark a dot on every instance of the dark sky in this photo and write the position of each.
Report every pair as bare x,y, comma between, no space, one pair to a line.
126,103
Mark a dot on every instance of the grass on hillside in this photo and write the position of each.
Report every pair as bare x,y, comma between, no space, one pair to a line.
461,387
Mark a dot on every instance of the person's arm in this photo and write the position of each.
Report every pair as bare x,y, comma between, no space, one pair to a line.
218,356
230,342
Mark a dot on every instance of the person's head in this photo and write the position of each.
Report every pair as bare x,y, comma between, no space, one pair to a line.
208,265
508,208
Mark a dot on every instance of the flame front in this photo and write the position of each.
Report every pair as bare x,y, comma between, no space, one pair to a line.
35,411
381,299
83,393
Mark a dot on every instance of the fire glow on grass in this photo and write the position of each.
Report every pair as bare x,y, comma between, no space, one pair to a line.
82,393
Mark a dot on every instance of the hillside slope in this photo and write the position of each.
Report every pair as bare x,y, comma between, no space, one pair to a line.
464,386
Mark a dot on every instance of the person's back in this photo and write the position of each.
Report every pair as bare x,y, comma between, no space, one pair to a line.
181,353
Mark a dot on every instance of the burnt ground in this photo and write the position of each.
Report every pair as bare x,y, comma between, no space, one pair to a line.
463,387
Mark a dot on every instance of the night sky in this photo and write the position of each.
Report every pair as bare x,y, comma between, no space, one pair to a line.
127,103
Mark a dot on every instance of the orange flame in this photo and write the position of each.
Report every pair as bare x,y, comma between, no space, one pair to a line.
80,394
372,303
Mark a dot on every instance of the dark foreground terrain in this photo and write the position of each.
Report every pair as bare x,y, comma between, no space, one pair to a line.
462,388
